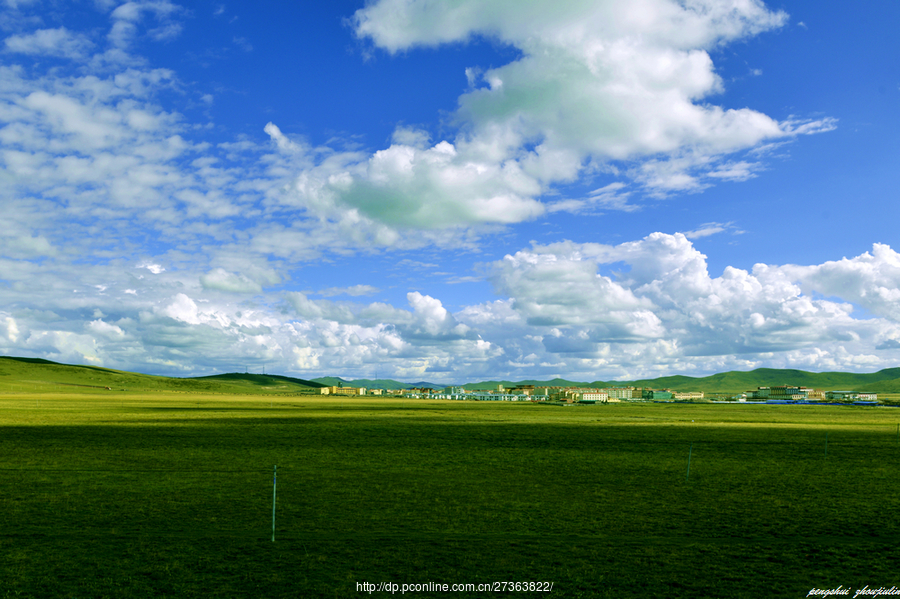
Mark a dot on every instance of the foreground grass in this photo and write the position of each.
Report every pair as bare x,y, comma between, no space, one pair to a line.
113,495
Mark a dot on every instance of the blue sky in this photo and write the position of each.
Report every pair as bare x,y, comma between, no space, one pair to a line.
450,191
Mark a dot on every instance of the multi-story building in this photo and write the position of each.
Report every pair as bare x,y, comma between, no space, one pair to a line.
345,390
588,395
851,396
522,389
595,396
787,392
779,393
687,395
619,392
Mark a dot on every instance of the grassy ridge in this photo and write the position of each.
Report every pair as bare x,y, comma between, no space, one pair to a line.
165,495
883,381
22,371
334,381
33,374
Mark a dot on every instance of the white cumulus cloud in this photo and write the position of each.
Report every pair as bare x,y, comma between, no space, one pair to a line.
50,42
595,83
663,299
222,280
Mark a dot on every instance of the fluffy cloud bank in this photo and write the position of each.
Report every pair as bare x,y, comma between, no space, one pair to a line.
664,298
592,311
613,87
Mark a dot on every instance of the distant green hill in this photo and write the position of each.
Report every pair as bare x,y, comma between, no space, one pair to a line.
484,385
883,381
260,379
37,373
334,381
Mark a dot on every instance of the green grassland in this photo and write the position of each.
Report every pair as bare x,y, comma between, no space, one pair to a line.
162,494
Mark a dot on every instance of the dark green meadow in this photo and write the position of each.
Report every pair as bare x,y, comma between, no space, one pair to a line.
112,494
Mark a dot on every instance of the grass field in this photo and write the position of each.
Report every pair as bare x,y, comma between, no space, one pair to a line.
121,494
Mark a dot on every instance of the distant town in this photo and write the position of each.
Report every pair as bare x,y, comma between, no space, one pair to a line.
779,394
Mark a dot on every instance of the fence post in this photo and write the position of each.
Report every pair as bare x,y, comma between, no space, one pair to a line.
690,451
274,485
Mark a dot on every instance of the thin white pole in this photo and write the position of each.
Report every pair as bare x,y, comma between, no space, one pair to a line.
690,451
274,484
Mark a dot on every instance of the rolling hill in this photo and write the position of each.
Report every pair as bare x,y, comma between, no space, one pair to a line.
883,381
22,372
334,381
38,373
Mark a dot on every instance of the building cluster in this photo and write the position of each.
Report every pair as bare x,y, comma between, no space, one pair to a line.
341,390
571,395
517,393
792,394
555,394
